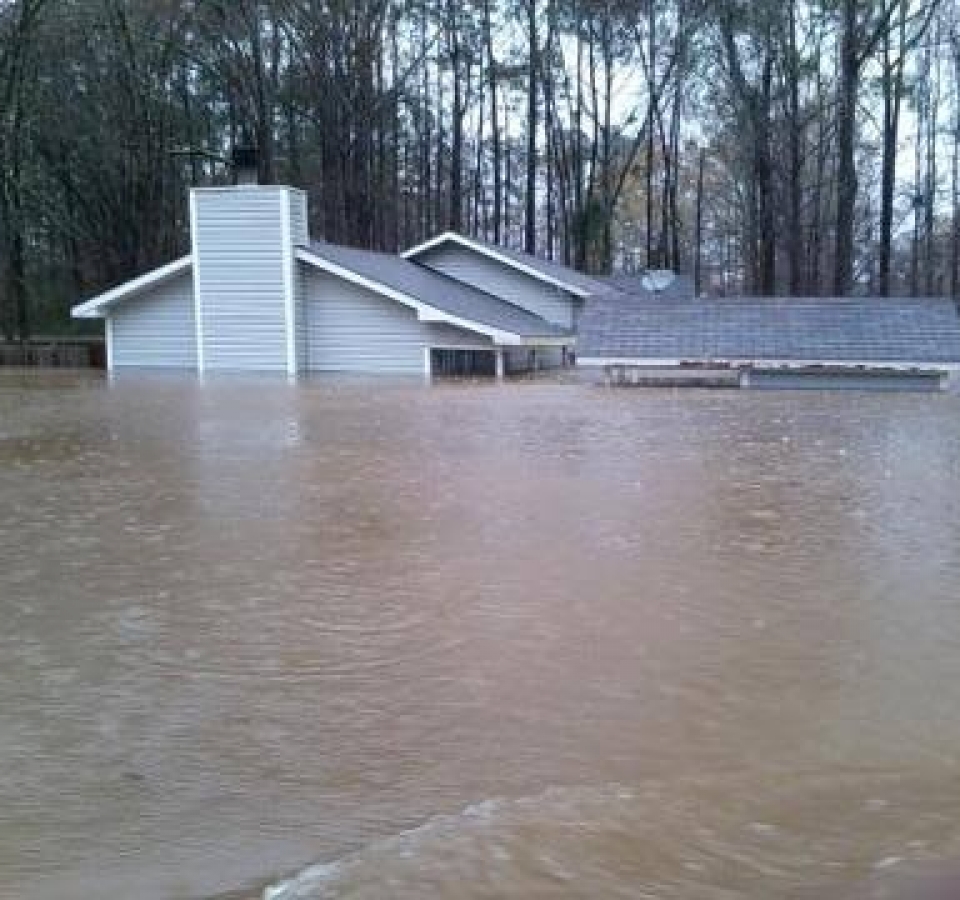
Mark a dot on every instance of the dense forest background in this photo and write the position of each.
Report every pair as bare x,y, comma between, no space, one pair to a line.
788,146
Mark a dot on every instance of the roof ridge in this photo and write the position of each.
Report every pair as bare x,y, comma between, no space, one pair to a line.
564,277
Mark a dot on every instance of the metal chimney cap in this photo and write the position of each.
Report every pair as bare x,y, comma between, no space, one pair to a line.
244,159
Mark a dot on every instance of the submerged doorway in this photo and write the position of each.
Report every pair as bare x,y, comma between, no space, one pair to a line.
460,362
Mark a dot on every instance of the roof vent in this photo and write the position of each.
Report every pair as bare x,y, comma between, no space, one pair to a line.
658,280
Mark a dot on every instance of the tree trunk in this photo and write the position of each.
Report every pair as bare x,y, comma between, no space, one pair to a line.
892,81
795,173
765,193
930,186
530,223
814,284
495,147
455,221
675,260
698,241
955,187
846,135
653,262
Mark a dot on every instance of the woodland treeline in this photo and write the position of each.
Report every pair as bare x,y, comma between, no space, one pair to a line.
789,146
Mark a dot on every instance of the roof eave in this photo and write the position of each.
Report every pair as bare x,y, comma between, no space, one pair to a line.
97,307
735,362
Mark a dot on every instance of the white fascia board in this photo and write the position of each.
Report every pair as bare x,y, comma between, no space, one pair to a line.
487,348
108,336
438,316
491,253
425,312
507,338
289,282
197,299
96,308
247,188
660,362
549,341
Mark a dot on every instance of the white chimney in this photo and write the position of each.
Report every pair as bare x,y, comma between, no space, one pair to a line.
244,242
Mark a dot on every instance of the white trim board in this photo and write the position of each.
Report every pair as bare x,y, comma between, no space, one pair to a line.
873,365
197,302
487,348
94,308
289,283
108,340
491,253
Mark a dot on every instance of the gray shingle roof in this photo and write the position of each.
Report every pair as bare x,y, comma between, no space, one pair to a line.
856,329
437,290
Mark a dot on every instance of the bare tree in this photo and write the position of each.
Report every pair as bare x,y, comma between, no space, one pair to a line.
18,25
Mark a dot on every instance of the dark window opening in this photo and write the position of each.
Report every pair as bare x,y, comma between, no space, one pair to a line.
449,362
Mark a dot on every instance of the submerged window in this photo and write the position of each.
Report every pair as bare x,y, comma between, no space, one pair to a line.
458,362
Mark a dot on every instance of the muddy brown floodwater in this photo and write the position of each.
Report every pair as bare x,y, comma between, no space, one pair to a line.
365,639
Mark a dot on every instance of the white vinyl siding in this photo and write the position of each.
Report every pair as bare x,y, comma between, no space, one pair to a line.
352,329
469,267
240,256
156,328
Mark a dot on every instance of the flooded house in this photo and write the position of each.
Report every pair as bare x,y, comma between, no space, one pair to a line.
257,294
